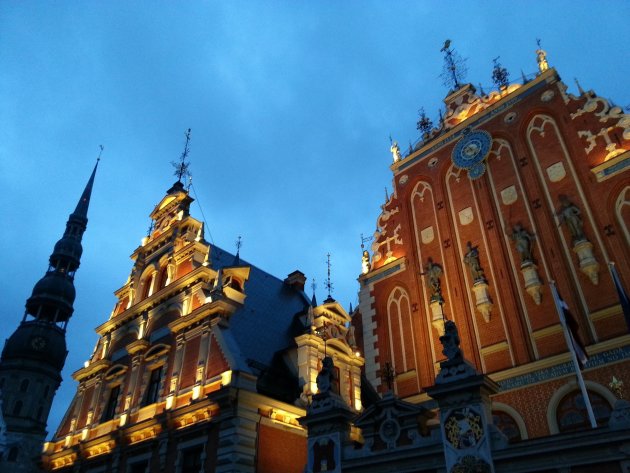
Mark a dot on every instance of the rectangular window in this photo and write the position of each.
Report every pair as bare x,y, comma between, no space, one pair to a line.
112,403
153,388
191,460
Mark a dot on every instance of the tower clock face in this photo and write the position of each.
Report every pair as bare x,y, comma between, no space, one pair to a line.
39,343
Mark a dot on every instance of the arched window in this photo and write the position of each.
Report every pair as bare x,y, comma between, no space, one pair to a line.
571,412
17,408
507,424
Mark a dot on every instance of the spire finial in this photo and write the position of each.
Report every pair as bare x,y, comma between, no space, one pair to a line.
237,258
481,91
181,168
328,283
580,89
541,58
386,195
454,69
313,299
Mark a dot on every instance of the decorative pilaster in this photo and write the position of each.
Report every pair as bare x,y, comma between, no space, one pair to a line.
463,396
328,423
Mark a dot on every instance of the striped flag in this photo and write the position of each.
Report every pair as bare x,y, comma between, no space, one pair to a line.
575,345
572,328
621,293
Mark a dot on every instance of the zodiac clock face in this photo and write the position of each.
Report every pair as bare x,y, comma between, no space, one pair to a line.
470,152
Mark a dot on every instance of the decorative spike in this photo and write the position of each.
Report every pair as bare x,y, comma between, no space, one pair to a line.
524,78
580,89
481,91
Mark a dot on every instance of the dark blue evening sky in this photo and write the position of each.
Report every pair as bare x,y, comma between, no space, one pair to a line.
291,105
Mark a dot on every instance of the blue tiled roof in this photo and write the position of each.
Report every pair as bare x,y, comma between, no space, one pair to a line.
263,326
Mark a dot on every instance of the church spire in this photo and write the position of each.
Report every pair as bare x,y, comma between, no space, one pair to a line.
53,295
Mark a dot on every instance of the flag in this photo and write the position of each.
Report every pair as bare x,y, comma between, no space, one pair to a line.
572,328
621,293
576,347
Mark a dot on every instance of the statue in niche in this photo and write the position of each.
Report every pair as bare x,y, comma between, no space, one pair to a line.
570,215
433,272
450,342
523,242
471,259
326,378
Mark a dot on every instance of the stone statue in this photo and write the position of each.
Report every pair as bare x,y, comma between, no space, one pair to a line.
365,262
523,243
450,342
395,151
433,272
352,341
541,58
327,376
570,215
471,259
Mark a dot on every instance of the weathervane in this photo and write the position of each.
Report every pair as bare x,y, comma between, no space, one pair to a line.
454,69
181,168
100,152
500,75
239,244
328,283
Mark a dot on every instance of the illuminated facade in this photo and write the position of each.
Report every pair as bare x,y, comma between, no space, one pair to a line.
461,336
205,363
34,355
513,189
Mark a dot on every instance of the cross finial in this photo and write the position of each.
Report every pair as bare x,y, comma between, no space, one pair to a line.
181,168
239,244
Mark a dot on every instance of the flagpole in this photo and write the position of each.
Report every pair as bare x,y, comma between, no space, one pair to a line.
578,372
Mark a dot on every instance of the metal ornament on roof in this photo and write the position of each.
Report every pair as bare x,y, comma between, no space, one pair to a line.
471,151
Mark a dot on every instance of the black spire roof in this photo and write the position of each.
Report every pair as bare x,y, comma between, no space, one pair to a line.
53,295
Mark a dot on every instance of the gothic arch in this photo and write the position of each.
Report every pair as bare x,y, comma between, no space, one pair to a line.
399,317
623,204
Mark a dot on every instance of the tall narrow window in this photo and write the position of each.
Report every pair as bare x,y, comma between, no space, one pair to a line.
24,385
153,388
17,408
191,459
112,403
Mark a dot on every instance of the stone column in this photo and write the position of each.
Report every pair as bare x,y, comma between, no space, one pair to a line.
463,396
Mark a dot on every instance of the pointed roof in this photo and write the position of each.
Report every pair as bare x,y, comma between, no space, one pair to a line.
84,202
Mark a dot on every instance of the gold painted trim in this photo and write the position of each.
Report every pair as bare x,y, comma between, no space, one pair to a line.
496,348
550,76
600,169
547,331
607,312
